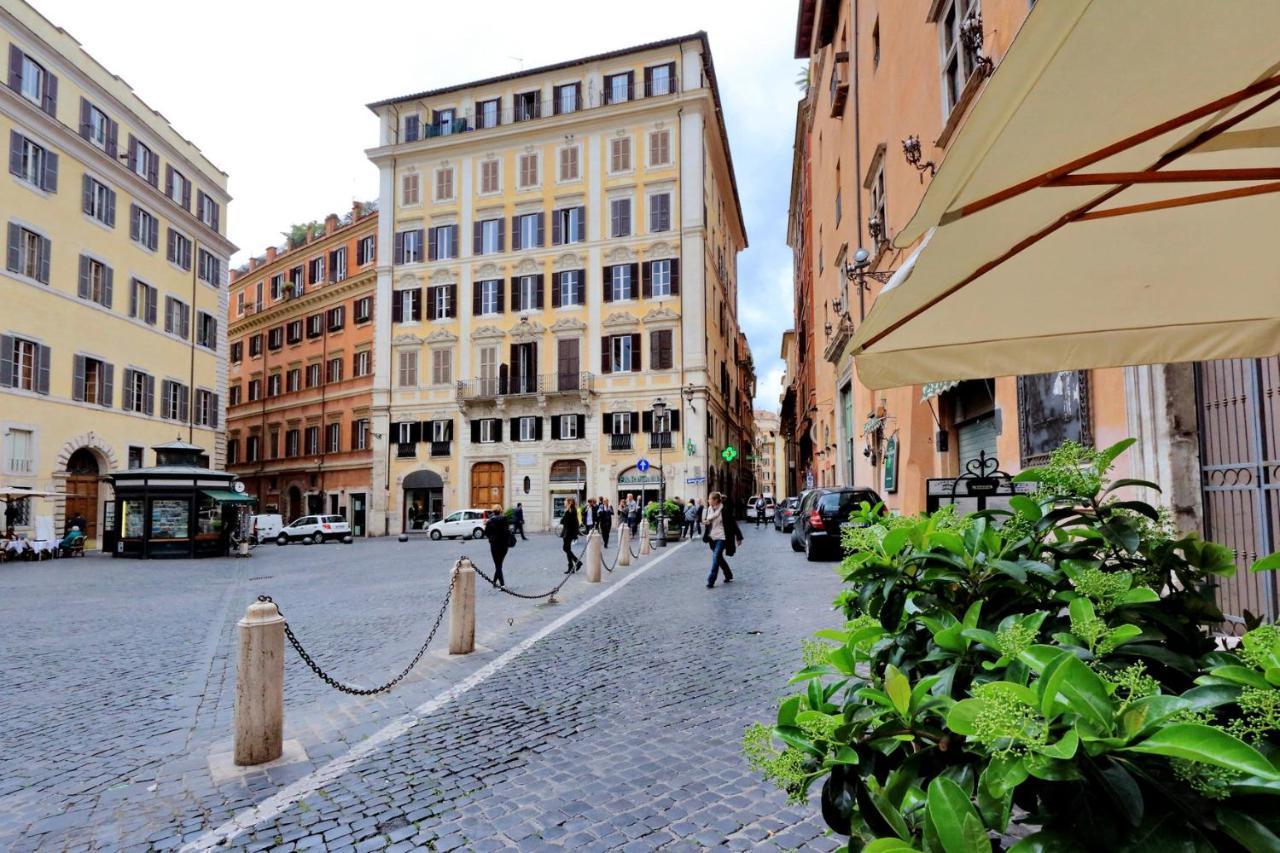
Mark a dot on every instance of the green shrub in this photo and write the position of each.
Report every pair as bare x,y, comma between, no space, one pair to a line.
1047,673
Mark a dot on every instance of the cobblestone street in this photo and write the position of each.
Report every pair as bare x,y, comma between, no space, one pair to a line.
618,728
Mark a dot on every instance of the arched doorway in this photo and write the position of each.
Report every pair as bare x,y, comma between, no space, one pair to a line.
82,490
488,481
293,509
568,479
423,500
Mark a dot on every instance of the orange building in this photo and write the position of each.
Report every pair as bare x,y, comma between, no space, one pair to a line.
301,372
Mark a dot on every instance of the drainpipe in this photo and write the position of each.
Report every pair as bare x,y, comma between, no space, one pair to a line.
857,148
193,316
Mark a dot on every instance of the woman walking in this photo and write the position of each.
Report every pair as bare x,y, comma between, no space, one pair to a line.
498,532
604,519
569,532
722,534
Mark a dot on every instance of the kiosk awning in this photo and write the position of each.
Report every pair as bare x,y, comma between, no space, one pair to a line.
228,497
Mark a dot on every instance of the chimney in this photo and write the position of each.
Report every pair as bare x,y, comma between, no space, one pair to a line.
235,274
357,210
271,254
331,223
253,263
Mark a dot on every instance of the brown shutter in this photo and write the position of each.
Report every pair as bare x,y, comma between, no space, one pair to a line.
555,289
635,275
431,244
515,293
502,283
515,234
113,141
397,308
648,82
15,68
453,300
646,279
84,118
417,305
15,153
675,276
51,94
582,224
542,230
557,236
606,357
186,196
399,250
475,297
83,288
538,288
86,194
608,283
635,352
476,230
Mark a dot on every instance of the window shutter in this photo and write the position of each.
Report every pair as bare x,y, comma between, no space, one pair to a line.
475,432
453,300
635,352
108,286
15,153
502,283
12,262
171,247
399,251
186,198
215,408
515,429
82,290
608,284
557,236
453,241
44,360
675,276
77,378
646,279
555,289
606,355
635,422
502,234
151,305
538,288
635,276
184,402
515,234
582,224
606,420
126,401
646,421
417,305
537,428
50,178
475,298
542,229
397,307
46,253
477,230
497,429
15,68
431,243
515,294
111,208
168,178
415,432
648,82
153,178
133,222
582,425
109,385
555,428
51,94
113,142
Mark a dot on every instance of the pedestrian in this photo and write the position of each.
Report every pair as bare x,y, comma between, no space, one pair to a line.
500,537
690,518
697,518
633,514
759,511
517,521
75,521
723,535
588,516
569,532
604,519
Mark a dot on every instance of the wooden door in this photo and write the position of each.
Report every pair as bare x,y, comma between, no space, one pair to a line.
487,484
567,364
82,498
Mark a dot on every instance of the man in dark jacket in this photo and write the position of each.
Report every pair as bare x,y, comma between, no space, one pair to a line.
517,521
499,535
604,519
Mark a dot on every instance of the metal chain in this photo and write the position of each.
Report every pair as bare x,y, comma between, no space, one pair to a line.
363,691
514,594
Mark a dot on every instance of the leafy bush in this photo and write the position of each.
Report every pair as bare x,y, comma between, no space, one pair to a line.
1047,673
670,509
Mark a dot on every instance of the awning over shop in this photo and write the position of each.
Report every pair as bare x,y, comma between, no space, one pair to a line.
226,497
1112,199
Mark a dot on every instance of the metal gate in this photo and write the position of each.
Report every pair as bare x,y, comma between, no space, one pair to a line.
1239,406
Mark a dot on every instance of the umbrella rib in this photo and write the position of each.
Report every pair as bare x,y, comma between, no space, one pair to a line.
1181,201
1169,176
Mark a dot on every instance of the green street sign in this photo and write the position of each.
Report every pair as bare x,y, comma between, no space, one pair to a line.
689,447
729,454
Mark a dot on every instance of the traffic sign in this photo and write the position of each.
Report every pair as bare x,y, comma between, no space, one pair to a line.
695,480
729,454
642,465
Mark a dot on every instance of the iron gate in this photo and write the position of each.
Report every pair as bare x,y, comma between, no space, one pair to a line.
1239,407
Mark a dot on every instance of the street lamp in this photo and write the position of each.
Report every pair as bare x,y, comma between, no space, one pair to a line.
659,416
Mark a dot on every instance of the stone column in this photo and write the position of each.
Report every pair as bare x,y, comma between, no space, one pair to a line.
259,710
462,609
645,549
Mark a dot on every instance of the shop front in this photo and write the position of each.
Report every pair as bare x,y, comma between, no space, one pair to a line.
423,500
645,485
566,479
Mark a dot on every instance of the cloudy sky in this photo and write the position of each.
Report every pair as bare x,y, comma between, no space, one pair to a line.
274,93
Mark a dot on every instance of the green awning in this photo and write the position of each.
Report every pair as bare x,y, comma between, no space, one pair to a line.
227,497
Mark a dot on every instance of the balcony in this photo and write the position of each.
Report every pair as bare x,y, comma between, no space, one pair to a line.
523,112
440,448
499,390
620,441
660,440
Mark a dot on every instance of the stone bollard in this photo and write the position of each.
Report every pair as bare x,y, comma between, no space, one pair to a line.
662,531
624,546
594,556
462,609
259,711
645,550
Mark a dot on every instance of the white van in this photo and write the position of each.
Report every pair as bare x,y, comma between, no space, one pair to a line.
264,528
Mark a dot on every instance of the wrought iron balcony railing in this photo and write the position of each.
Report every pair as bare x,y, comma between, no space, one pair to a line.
479,390
620,441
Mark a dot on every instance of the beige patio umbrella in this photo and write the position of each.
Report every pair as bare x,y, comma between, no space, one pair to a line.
1112,199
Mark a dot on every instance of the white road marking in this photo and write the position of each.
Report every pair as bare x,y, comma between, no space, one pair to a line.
277,803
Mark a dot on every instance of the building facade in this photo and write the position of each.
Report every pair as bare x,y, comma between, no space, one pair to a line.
557,252
111,337
770,456
302,358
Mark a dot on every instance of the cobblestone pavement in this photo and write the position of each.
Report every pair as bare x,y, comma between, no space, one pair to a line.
618,730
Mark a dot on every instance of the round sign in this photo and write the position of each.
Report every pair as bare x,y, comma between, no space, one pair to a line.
238,486
729,454
642,465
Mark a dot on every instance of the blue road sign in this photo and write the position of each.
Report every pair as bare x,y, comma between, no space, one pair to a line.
642,465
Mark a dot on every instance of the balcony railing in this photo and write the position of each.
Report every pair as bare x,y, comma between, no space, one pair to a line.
660,440
620,441
544,108
522,386
440,448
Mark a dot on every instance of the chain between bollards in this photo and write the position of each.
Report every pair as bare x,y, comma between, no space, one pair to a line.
513,593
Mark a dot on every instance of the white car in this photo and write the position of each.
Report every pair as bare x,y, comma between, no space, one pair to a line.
460,524
316,529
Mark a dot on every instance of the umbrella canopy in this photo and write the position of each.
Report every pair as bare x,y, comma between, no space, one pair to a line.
1112,199
14,492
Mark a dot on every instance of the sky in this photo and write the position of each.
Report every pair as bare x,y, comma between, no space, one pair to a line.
274,94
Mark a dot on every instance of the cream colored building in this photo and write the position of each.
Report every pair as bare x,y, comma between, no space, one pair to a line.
113,287
770,456
557,251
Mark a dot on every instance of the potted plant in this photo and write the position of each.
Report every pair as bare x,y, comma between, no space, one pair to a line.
670,510
1040,679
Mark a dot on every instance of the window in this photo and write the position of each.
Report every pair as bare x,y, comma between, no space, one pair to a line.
660,148
489,182
441,367
878,207
566,98
620,281
206,413
96,127
362,310
569,288
488,237
313,375
273,385
293,380
253,448
273,445
207,210
33,82
32,163
315,326
618,87
528,292
177,317
444,184
488,361
528,170
312,439
338,264
337,318
362,363
410,249
135,456
488,113
407,374
660,277
315,270
444,242
178,250
404,437
91,381
95,281
412,127
620,154
441,431
620,353
620,217
144,229
621,423
333,438
660,80
407,307
255,346
139,392
174,400
364,251
206,330
660,212
527,231
275,338
442,301
488,431
333,371
143,162
957,62
293,332
569,163
291,443
100,201
28,254
297,283
255,390
568,225
237,352
233,395
445,122
568,426
360,434
527,105
488,297
528,429
875,45
661,356
209,267
177,188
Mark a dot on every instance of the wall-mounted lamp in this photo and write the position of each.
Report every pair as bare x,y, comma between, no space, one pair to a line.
911,151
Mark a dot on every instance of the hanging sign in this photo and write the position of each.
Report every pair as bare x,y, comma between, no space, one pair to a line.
891,464
729,454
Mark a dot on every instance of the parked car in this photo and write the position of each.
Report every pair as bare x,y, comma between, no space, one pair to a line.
820,515
265,527
461,524
316,530
784,514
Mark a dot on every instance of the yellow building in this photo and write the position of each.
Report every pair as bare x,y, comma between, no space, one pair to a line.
112,290
557,250
770,456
